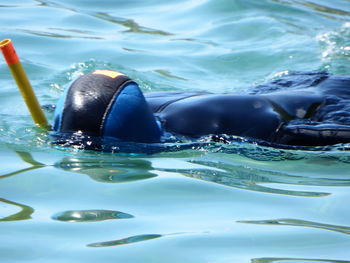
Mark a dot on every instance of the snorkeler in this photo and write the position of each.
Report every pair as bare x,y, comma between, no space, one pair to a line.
304,109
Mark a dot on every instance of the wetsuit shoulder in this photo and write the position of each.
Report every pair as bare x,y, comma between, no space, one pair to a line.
159,100
239,115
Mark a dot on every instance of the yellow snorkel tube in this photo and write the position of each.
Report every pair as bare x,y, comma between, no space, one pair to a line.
23,83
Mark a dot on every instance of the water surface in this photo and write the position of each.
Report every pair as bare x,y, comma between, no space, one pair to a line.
226,203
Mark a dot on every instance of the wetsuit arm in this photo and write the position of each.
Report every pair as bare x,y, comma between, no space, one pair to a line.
313,135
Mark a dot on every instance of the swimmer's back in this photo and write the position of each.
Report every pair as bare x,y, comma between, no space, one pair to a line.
287,104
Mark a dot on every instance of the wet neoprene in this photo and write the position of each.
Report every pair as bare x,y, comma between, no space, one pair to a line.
100,105
300,109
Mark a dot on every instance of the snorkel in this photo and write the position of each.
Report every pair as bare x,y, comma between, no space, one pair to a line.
23,83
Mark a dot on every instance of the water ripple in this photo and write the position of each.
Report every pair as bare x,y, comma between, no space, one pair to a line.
299,223
323,8
326,11
260,179
178,45
132,26
296,260
125,241
90,215
25,213
105,171
335,46
50,33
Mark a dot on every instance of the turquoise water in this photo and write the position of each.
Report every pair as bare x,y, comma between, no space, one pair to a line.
228,203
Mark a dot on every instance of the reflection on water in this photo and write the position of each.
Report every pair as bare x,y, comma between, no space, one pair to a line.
27,158
125,241
127,169
295,260
118,170
297,222
24,214
90,215
245,177
132,26
323,9
59,34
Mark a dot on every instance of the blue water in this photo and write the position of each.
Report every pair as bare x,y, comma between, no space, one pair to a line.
219,204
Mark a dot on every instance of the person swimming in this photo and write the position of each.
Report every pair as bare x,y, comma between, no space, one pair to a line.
301,109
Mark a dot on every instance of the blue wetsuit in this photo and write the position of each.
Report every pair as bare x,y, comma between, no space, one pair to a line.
306,109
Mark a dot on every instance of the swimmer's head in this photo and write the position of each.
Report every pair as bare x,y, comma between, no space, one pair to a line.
106,103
